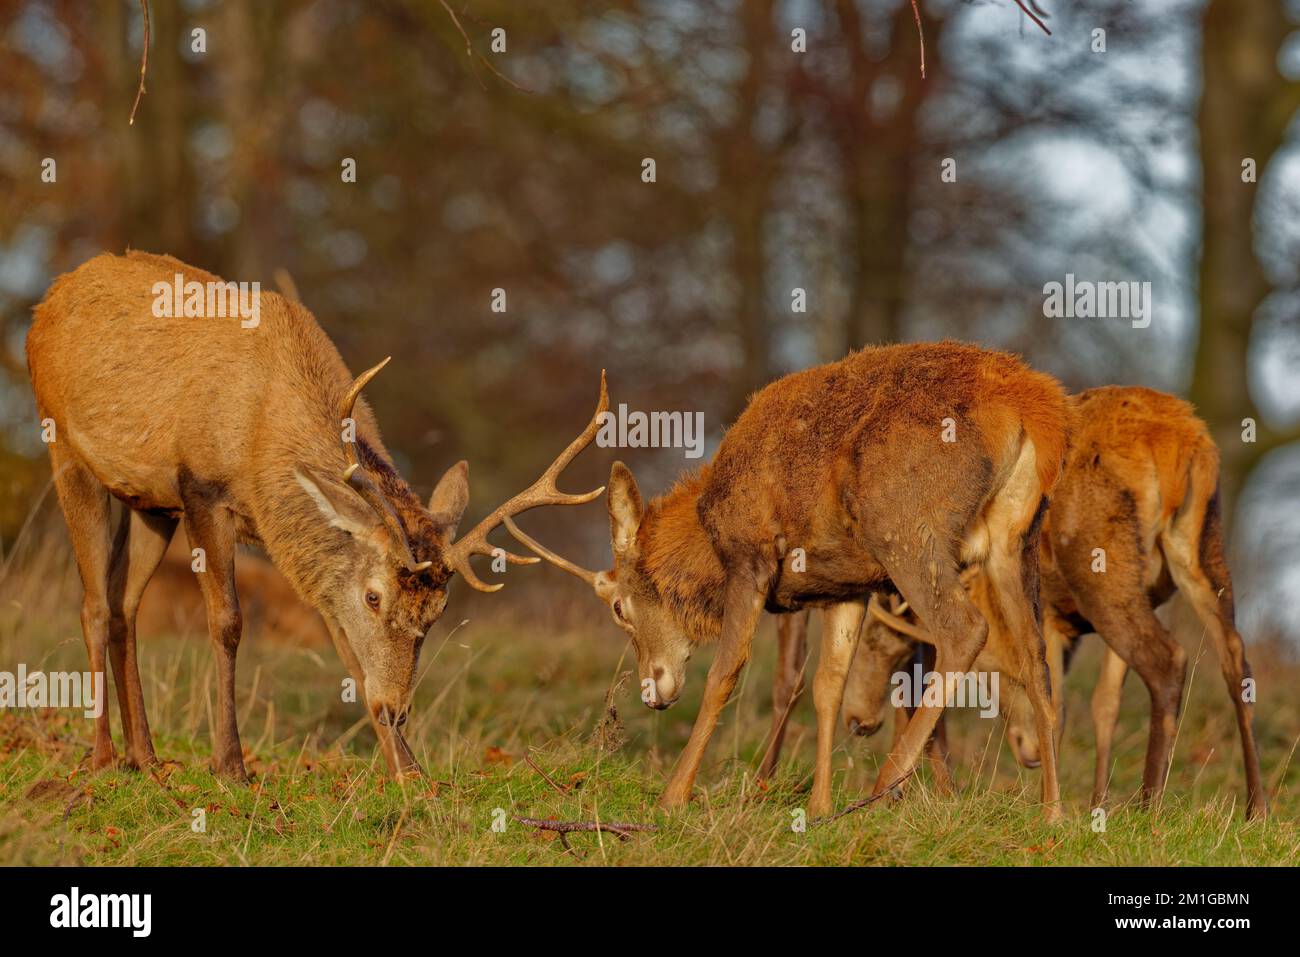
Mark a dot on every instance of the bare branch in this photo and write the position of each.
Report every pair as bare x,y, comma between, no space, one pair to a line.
621,831
1032,16
920,35
144,61
859,805
470,51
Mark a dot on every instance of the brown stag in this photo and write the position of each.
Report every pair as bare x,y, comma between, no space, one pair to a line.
897,463
250,434
1134,519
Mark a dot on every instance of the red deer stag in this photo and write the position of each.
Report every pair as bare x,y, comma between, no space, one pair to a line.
1140,483
246,434
832,481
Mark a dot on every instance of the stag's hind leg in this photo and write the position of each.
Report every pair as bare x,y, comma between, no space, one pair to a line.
85,504
1194,549
142,539
1116,602
1014,520
933,589
787,683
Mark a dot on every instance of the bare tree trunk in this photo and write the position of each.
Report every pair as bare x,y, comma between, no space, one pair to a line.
878,143
747,172
1245,108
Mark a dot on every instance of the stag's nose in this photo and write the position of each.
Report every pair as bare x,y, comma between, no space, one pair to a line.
388,716
1025,749
863,729
662,690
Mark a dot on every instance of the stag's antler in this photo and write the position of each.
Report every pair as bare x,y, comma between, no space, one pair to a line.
528,541
899,624
356,476
542,492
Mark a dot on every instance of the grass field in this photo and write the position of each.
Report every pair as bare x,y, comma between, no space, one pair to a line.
503,724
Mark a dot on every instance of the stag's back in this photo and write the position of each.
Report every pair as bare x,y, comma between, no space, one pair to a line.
880,412
1146,440
141,399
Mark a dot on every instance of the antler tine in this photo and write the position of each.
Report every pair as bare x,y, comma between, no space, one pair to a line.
526,540
900,625
544,491
356,477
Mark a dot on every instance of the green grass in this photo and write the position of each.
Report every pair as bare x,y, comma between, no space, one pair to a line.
498,691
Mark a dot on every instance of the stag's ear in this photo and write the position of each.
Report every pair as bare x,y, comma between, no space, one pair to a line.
342,507
625,508
450,497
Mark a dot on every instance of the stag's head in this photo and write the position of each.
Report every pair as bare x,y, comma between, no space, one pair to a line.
662,646
387,584
883,651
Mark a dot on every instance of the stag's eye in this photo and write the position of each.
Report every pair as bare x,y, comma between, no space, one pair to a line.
372,599
618,611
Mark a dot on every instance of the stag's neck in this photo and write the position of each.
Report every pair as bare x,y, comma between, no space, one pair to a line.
679,559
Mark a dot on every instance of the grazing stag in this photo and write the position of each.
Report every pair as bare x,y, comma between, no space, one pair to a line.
833,481
245,434
1134,519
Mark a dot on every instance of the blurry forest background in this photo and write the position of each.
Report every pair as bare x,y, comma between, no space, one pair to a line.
776,170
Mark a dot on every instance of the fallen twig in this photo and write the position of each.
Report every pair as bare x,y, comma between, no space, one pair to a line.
621,831
545,777
568,849
144,61
859,805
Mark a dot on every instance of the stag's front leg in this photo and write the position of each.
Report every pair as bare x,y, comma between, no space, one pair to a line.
840,627
213,530
743,606
1105,713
